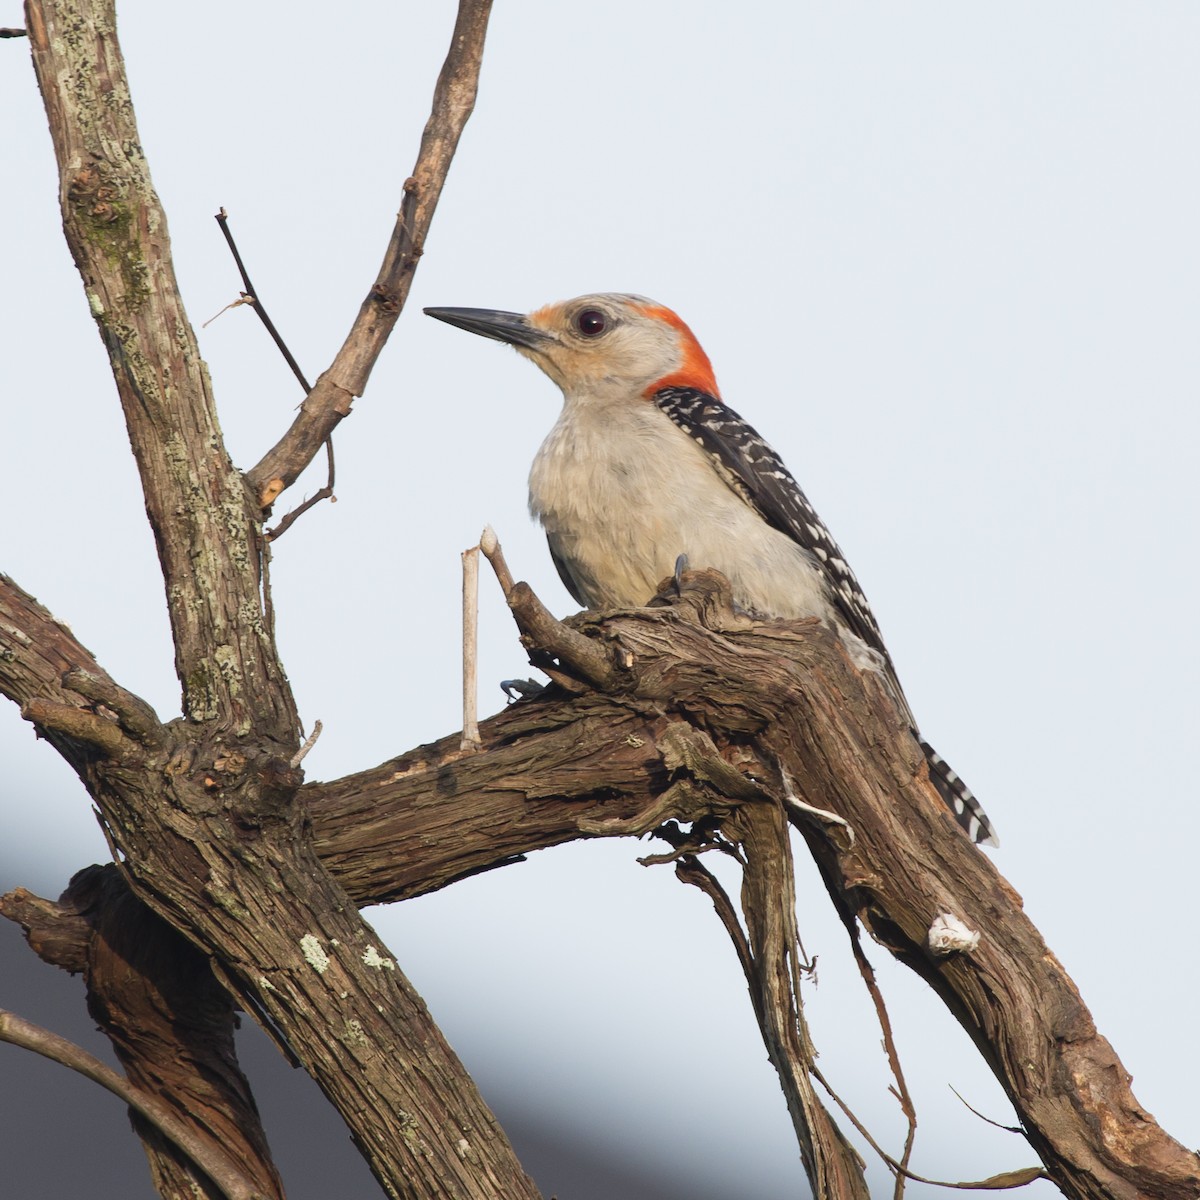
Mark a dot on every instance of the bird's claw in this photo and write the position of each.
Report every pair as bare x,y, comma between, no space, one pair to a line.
521,689
681,565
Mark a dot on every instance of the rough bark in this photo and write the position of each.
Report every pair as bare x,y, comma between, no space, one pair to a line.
201,811
195,500
170,1022
689,720
787,690
592,765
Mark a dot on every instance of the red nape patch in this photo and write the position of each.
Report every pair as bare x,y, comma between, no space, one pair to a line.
695,371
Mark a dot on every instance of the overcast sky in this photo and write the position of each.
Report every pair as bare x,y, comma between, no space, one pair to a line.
943,255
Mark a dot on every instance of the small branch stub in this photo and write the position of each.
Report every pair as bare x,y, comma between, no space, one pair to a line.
470,635
79,723
309,743
579,657
490,545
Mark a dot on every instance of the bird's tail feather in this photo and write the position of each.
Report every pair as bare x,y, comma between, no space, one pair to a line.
959,798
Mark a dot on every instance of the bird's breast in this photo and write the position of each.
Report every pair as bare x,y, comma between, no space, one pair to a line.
620,500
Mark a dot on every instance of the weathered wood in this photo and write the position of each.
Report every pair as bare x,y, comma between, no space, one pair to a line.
834,1167
172,1026
777,694
334,393
214,834
205,530
170,1022
202,811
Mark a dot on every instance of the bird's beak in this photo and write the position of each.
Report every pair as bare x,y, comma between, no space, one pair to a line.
513,328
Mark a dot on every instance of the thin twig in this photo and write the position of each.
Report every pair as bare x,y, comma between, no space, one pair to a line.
995,1183
210,1159
242,299
470,662
692,871
1007,1128
251,296
900,1091
325,493
13,33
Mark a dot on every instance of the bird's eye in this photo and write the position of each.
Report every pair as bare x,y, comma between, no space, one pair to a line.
591,322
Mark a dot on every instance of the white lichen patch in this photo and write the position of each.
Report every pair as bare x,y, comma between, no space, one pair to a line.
314,953
372,958
265,984
949,935
354,1035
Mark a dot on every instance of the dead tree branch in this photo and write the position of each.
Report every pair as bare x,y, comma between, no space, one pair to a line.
215,1164
689,712
204,822
170,1022
769,907
335,391
787,690
195,498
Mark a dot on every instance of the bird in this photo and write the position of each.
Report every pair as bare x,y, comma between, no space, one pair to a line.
647,467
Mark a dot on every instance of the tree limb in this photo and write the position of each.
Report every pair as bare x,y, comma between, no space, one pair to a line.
170,1022
205,529
204,825
211,1159
45,669
336,389
789,690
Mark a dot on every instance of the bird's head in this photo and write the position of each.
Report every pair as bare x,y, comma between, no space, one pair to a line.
598,343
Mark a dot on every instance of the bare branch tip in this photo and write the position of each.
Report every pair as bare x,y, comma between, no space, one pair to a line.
489,543
309,743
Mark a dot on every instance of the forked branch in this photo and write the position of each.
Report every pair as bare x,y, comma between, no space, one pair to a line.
335,391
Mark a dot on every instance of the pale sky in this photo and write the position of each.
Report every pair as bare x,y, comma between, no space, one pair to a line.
944,256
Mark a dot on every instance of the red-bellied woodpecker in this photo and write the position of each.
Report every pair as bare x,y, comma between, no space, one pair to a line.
646,463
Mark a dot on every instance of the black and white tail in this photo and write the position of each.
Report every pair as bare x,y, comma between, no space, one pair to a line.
959,798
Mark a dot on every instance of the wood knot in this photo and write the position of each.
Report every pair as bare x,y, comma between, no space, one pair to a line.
385,298
84,184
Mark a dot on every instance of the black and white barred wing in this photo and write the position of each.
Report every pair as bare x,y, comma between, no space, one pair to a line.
753,469
758,474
